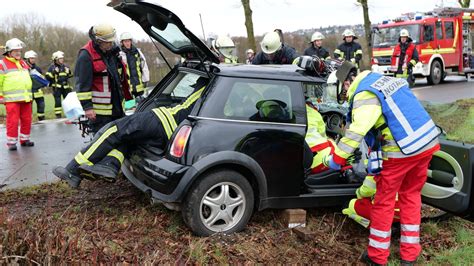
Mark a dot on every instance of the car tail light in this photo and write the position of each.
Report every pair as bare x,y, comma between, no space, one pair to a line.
179,142
375,61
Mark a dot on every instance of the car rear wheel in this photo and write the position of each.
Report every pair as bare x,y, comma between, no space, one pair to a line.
219,202
436,73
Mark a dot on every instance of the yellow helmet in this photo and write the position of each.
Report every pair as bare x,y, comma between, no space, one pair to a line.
104,32
271,43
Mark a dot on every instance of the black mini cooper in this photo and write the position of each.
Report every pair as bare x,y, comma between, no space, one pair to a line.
230,158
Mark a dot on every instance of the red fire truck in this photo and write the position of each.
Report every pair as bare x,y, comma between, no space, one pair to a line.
444,40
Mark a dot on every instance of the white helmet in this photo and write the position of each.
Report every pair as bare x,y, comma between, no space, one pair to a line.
104,32
13,44
57,55
249,51
30,54
404,33
225,46
126,36
317,36
271,43
347,33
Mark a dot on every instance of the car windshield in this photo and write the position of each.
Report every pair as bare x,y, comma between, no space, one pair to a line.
173,36
386,37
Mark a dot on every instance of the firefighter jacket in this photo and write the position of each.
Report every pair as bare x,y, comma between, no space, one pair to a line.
137,68
37,86
286,55
387,104
171,117
320,52
15,80
404,55
349,51
58,76
101,81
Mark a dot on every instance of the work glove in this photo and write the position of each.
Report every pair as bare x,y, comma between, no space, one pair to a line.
353,61
329,162
355,157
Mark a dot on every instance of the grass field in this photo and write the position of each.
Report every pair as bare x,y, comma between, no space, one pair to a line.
48,110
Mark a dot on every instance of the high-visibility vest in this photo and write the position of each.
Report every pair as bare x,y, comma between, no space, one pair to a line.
141,69
15,80
410,125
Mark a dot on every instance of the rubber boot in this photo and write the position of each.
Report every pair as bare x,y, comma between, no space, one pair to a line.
72,179
98,171
27,143
11,147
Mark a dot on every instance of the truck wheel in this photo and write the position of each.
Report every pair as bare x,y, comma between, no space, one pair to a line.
436,73
219,202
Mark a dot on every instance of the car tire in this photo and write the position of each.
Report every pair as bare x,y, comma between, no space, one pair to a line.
436,73
211,196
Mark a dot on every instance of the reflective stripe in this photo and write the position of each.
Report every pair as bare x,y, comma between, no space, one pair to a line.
410,239
418,133
101,100
399,115
99,141
345,148
379,233
360,220
103,112
410,227
80,159
101,94
377,244
40,114
24,137
170,118
102,106
359,51
84,95
38,94
116,154
371,101
105,81
191,99
164,122
353,136
370,183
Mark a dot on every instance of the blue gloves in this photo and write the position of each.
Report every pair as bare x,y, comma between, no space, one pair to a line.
331,164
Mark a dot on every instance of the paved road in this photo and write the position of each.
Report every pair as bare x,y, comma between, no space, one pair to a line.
454,88
55,144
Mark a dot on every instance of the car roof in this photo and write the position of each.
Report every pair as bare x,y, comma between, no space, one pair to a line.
274,72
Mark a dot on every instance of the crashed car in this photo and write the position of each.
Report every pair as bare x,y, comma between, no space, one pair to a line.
229,159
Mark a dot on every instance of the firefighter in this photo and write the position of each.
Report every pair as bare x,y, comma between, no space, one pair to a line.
402,138
250,56
316,47
225,47
58,75
15,93
37,89
137,69
153,127
274,52
405,57
349,50
100,75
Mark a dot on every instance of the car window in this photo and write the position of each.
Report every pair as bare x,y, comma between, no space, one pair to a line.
253,100
449,28
439,30
428,36
173,36
181,87
314,92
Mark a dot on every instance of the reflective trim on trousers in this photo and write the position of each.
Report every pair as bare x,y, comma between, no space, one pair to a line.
410,239
379,233
80,159
99,141
410,227
117,155
378,244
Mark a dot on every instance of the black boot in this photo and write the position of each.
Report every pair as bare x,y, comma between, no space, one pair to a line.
40,118
98,171
406,263
72,179
365,259
27,143
11,147
58,116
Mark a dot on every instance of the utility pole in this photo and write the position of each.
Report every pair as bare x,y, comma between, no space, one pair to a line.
202,27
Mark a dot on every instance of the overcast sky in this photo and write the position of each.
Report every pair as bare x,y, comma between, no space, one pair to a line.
223,16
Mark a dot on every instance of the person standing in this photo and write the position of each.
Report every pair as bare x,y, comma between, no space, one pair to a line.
402,138
137,69
405,57
349,50
250,54
274,52
101,80
38,96
316,47
15,93
58,75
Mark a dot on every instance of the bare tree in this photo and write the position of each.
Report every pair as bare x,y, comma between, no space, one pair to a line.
249,24
464,3
367,29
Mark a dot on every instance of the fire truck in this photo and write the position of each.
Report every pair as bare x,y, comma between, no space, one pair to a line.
444,39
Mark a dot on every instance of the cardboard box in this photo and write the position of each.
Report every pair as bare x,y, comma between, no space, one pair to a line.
292,218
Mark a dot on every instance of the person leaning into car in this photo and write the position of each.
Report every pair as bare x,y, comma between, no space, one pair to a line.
101,81
402,138
153,127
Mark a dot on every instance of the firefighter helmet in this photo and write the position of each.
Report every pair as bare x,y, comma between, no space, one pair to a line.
104,32
30,54
317,36
271,43
347,33
126,36
13,44
404,33
57,55
249,51
225,46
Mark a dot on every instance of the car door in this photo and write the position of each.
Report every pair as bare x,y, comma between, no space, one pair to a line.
450,179
166,28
